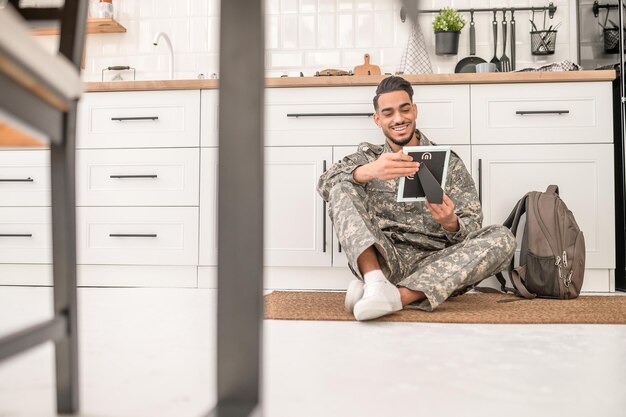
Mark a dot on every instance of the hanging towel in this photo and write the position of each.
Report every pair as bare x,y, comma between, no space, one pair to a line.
415,59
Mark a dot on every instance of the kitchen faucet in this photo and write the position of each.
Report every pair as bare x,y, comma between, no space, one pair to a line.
169,45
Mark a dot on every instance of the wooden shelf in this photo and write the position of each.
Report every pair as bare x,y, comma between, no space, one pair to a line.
93,26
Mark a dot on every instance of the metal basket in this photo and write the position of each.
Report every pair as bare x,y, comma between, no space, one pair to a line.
542,42
611,40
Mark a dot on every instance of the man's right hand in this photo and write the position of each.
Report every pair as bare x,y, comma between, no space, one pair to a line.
388,166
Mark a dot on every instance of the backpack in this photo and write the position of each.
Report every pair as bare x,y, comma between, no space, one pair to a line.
552,256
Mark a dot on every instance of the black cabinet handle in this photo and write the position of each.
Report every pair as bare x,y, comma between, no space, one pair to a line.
29,179
134,176
132,235
124,119
525,112
16,235
330,114
324,216
480,181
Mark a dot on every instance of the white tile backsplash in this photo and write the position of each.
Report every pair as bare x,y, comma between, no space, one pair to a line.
309,35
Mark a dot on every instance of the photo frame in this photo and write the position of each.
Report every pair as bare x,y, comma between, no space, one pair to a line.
436,159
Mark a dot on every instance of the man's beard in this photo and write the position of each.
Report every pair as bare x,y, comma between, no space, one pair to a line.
402,142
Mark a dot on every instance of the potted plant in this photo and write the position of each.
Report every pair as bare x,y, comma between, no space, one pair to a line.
447,26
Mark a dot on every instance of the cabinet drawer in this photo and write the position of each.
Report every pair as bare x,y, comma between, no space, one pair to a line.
542,113
139,119
137,177
25,178
342,115
138,235
209,117
25,235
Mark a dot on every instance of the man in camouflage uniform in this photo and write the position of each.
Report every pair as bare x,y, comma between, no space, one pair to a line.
407,253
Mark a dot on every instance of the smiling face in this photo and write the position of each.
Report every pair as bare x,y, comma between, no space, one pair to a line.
396,116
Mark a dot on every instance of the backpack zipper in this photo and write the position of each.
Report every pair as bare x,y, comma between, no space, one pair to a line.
561,263
567,280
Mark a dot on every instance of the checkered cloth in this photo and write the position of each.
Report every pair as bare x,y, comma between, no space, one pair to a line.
415,59
555,66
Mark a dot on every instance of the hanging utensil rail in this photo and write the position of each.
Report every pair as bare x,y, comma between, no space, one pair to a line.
597,6
551,8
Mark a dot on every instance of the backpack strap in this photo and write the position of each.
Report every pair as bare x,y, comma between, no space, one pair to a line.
517,275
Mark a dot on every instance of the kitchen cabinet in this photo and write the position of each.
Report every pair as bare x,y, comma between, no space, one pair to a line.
342,115
137,177
542,113
297,232
25,178
137,235
583,173
139,119
507,153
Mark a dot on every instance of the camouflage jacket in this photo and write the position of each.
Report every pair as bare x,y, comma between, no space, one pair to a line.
410,222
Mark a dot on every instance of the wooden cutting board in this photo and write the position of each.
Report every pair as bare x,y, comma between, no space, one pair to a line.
367,68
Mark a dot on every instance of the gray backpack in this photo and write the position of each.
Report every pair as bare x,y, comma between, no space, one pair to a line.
552,256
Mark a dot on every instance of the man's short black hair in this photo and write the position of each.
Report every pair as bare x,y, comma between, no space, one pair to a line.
393,83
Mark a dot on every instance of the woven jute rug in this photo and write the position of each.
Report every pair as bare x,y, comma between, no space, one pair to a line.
468,308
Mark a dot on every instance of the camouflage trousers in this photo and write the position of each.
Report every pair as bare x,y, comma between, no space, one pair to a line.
439,274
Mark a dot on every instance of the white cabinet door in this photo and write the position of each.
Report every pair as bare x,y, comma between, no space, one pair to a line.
208,206
584,174
296,230
339,258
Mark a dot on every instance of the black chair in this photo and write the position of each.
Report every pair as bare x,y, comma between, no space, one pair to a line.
40,91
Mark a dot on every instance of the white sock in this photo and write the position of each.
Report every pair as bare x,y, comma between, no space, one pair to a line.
374,276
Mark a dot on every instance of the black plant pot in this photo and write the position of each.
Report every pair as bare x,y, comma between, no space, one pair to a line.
447,42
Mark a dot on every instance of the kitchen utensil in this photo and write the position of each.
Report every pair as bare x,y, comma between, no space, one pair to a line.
538,45
486,67
366,68
468,64
117,76
505,62
494,24
512,40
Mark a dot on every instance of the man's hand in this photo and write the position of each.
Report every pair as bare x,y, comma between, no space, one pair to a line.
388,166
444,214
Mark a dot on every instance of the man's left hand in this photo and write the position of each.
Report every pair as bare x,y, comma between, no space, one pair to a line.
444,214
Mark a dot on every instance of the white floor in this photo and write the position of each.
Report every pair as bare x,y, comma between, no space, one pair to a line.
151,352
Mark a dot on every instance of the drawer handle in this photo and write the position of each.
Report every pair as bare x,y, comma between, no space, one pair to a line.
29,179
124,119
16,235
132,235
524,112
296,115
134,176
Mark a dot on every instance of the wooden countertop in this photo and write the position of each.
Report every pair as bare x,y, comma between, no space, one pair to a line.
484,78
